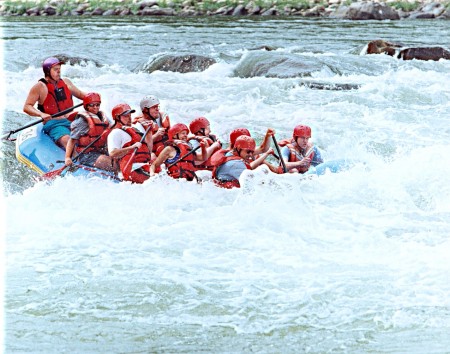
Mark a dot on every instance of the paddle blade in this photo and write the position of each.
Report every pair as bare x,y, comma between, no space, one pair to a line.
53,174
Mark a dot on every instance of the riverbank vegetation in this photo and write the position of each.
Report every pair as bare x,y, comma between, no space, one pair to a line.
187,7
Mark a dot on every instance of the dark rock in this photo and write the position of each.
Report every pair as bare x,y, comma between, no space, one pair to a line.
239,11
370,11
50,10
270,12
330,86
264,47
278,65
379,46
97,12
66,59
109,12
142,5
420,53
424,53
178,63
155,11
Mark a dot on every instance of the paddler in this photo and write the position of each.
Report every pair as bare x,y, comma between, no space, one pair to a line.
299,153
229,165
52,94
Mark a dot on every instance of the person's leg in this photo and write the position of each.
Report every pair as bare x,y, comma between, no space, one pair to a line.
63,141
106,163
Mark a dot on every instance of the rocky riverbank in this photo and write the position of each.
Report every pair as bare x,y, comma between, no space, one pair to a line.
339,9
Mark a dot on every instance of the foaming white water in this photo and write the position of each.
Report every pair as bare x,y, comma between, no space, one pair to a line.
358,251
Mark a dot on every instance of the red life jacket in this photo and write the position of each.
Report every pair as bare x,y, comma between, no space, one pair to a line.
163,121
142,155
218,159
58,97
97,127
296,155
185,168
209,140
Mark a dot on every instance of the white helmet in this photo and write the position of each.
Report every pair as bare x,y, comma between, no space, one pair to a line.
149,101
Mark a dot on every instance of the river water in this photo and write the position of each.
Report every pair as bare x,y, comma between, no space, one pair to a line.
352,262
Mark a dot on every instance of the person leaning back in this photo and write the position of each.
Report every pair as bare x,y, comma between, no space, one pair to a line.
52,94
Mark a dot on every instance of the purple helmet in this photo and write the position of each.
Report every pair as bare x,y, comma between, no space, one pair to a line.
49,63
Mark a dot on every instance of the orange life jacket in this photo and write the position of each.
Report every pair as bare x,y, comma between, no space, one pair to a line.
295,153
185,168
58,97
218,159
142,155
97,127
163,121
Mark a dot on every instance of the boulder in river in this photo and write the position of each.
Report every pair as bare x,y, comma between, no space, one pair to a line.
178,63
399,51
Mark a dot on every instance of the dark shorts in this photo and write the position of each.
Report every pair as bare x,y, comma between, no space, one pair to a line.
57,128
88,158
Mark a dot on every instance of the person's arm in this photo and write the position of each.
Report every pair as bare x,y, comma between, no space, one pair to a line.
149,141
317,158
159,134
167,152
33,96
74,90
286,152
116,140
261,159
118,153
69,150
265,145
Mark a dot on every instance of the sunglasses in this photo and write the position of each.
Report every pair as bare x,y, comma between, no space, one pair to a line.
93,105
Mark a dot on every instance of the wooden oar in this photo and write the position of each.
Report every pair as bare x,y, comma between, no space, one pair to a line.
56,115
279,153
55,173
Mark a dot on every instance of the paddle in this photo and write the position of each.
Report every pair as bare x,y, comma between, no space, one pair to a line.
279,153
56,115
135,149
184,156
55,173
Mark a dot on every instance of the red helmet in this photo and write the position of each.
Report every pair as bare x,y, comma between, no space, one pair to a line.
50,63
176,129
197,124
237,133
121,109
302,131
245,142
90,98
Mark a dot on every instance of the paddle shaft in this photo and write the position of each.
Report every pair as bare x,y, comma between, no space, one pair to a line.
184,156
57,172
279,153
56,115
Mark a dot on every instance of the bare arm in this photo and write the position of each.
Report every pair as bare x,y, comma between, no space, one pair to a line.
265,145
36,92
69,150
74,90
119,153
260,159
205,155
168,151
